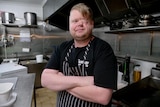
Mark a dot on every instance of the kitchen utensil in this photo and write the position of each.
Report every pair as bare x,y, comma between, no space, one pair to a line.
7,17
5,91
30,18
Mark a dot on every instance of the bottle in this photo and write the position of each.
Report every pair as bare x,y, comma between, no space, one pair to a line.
136,73
126,73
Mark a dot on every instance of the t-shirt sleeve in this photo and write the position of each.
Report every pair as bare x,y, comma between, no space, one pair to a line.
54,61
105,71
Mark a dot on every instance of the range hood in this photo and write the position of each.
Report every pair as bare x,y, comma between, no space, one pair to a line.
60,17
118,9
105,11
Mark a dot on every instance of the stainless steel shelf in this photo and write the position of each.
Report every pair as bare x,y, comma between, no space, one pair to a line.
135,29
20,25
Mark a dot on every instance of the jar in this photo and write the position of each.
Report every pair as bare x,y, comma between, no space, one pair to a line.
136,73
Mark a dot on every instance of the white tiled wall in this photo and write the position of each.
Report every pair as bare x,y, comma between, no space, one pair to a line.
145,66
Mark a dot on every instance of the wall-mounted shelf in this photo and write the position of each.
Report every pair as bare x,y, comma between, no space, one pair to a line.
135,29
20,25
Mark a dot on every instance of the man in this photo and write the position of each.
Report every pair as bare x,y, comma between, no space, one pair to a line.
84,70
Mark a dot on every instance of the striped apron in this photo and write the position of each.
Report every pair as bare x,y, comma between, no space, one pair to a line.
65,99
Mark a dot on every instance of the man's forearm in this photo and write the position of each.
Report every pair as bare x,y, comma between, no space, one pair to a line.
68,82
57,81
92,93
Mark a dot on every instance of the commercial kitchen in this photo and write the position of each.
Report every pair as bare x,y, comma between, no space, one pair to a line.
32,28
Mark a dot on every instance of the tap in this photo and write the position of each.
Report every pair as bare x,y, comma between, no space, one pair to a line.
15,54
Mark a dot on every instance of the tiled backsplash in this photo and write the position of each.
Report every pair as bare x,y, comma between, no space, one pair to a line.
145,66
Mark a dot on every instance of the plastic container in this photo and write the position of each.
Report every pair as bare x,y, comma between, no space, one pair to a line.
137,73
119,78
39,58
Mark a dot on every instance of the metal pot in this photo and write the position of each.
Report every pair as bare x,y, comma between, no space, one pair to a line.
127,24
146,20
7,17
30,18
146,17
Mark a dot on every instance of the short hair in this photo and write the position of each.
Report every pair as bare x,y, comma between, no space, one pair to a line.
85,10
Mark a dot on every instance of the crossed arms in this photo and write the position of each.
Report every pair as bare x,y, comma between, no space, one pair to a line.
80,86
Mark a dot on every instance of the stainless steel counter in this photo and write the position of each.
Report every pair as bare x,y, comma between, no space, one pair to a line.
24,88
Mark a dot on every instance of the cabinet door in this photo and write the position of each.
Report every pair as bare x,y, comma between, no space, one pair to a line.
36,68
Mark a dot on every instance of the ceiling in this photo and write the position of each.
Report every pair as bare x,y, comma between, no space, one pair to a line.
39,2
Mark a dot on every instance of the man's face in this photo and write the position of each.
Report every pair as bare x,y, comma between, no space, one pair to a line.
79,26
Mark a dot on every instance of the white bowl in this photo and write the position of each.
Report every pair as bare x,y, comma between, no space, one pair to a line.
5,91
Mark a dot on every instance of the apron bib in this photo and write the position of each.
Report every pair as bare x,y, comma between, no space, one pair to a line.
78,70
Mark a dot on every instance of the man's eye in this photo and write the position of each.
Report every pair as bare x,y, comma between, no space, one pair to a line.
75,21
85,21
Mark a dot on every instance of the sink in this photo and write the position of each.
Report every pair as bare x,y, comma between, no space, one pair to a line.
144,93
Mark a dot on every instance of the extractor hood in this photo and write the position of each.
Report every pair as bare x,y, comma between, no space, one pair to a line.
118,9
61,16
105,11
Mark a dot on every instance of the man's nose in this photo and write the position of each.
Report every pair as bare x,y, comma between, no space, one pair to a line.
80,22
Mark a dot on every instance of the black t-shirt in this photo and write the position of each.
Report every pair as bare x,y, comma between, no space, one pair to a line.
102,61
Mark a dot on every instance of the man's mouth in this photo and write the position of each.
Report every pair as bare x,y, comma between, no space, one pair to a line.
79,30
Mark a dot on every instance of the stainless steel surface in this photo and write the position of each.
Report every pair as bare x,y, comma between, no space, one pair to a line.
146,28
105,11
59,16
24,89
